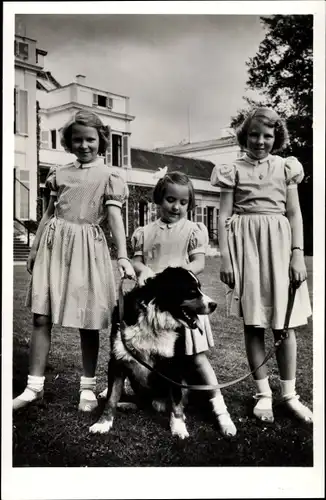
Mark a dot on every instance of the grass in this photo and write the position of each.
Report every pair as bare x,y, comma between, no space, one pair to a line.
53,433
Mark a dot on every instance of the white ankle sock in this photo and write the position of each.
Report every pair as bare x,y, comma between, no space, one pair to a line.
288,387
218,404
35,385
264,394
87,388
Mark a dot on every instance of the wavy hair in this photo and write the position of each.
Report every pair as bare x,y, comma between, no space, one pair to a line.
270,118
174,178
88,119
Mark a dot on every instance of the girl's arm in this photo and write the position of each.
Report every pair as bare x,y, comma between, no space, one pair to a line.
119,236
298,272
226,210
196,264
142,271
46,216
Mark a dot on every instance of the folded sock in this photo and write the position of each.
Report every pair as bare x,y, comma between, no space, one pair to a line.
288,387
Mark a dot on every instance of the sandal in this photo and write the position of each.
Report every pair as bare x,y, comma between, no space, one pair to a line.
296,408
87,405
263,414
19,402
226,425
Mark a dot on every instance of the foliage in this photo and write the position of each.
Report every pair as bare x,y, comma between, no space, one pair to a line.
137,194
282,72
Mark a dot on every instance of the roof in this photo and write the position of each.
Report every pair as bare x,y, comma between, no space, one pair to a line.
220,142
46,81
151,160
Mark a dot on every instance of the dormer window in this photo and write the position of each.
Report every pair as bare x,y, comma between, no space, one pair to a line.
102,101
21,50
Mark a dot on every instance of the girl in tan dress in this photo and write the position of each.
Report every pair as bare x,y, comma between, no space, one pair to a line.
173,240
72,281
261,244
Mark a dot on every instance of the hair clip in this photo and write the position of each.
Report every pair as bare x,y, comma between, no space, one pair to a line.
160,173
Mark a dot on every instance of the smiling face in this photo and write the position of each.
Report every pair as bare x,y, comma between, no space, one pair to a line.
260,139
84,143
175,203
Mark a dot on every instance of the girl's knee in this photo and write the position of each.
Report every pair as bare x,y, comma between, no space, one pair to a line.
199,359
41,320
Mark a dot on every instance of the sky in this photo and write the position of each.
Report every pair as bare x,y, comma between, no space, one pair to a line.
185,74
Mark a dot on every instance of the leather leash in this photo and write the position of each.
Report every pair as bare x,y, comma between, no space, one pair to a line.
133,353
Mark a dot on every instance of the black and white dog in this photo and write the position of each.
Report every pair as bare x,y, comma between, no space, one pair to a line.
155,315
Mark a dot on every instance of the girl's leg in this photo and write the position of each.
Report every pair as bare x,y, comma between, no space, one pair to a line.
286,356
255,348
89,341
207,375
38,353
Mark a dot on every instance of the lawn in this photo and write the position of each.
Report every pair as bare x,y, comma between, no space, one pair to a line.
53,433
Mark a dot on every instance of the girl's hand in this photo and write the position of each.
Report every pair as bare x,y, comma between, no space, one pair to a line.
298,271
31,259
144,275
126,269
226,272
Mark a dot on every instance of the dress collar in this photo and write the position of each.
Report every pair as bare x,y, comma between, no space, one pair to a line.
255,162
95,163
163,224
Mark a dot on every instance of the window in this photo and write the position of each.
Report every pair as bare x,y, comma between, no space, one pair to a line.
116,150
20,111
102,101
21,50
53,139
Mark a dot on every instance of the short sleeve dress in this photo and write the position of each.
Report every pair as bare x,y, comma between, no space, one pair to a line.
259,239
73,280
161,245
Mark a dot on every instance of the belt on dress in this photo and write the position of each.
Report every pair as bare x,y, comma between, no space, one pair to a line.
96,228
236,215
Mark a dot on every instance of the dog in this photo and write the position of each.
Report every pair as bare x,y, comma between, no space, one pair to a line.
154,319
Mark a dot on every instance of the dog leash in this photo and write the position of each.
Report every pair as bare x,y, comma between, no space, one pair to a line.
133,353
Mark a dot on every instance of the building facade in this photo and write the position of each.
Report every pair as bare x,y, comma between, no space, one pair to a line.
28,62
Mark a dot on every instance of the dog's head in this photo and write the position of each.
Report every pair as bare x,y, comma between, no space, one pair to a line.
178,292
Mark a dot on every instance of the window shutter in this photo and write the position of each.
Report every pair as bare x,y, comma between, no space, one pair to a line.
95,101
108,152
21,111
205,216
110,102
45,139
125,151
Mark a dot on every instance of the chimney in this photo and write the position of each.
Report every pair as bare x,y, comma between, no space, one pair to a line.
81,79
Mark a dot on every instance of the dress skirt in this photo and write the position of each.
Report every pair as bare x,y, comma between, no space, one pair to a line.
196,341
73,280
260,248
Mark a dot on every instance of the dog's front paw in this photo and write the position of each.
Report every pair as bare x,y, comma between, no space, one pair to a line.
102,426
178,427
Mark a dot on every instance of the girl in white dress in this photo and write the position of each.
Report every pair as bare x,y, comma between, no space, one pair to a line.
173,240
261,244
72,283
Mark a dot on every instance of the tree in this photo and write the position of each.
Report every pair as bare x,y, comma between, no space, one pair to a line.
282,73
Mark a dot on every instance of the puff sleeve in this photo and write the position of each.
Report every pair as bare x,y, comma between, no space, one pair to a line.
51,181
293,171
224,177
137,242
116,190
198,241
